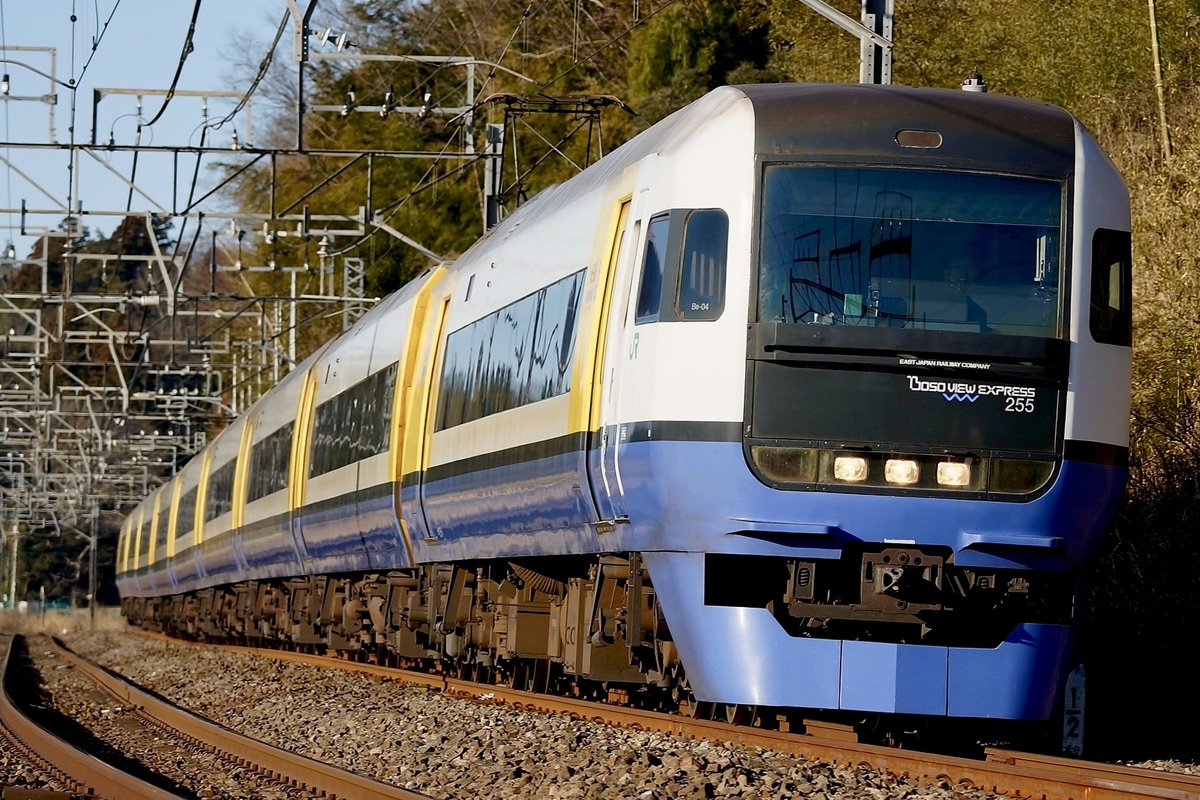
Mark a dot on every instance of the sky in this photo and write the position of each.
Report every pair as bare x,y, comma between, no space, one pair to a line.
139,49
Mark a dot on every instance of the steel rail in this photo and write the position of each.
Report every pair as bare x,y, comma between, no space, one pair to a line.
82,768
1187,784
309,774
1026,776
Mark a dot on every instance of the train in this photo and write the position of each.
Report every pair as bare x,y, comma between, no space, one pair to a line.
807,397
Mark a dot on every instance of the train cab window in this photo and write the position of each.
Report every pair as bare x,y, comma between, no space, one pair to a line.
650,293
935,250
702,268
1111,317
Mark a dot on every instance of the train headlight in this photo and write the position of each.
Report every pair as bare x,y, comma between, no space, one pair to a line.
787,464
850,469
955,474
901,471
1018,476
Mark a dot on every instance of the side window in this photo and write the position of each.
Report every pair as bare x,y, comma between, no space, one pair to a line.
185,520
353,425
1111,316
517,355
702,268
650,293
161,527
144,538
269,464
220,491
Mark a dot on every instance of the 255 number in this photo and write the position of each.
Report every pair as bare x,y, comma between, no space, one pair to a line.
1019,405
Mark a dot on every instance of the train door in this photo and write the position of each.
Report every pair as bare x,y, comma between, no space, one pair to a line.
422,411
617,346
411,411
298,463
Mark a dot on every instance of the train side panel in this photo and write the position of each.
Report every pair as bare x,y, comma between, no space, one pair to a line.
348,518
271,547
815,392
506,471
219,547
186,562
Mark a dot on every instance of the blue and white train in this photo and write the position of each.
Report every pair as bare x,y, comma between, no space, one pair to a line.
809,396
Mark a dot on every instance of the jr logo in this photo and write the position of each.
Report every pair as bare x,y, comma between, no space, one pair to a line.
633,348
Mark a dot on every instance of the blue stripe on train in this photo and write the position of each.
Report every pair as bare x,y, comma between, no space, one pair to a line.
743,655
702,497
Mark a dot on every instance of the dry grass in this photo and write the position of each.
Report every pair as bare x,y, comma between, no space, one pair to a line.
60,621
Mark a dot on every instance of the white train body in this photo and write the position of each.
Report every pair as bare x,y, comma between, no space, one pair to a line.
819,467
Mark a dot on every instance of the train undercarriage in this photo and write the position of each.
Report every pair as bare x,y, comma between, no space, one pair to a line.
584,626
591,626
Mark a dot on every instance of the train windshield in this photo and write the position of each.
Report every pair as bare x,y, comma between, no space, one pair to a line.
911,248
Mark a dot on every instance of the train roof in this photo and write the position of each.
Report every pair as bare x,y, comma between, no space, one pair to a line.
974,130
851,122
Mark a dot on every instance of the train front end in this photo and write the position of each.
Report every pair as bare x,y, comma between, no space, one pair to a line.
935,422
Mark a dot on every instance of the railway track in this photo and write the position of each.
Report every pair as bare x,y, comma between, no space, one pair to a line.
1018,775
295,775
68,765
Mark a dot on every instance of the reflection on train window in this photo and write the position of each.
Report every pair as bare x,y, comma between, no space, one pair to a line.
123,549
144,540
161,527
911,248
185,518
354,424
269,464
650,293
515,356
1111,317
702,267
220,492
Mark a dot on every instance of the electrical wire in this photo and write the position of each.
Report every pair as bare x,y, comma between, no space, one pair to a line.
263,66
99,37
607,45
188,47
7,133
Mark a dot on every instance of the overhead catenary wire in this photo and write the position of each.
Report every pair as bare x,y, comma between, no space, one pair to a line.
606,45
99,37
188,47
263,67
7,134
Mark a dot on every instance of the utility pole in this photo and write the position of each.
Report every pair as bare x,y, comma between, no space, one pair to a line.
93,544
492,170
12,575
875,60
1158,84
874,31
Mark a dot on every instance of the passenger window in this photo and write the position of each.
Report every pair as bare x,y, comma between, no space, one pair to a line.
650,294
702,268
1111,317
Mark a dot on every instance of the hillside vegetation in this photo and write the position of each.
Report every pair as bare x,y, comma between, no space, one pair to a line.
1093,58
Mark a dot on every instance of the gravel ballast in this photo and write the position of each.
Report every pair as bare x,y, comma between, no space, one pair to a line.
450,748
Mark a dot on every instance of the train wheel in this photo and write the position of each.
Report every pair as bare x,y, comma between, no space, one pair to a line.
740,713
685,701
518,675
